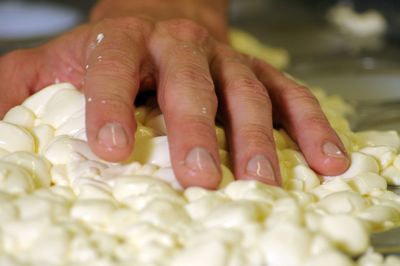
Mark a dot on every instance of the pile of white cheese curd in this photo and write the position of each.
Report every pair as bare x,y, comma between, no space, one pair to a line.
62,205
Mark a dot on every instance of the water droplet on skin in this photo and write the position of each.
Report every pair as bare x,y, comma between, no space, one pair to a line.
87,67
99,38
56,81
89,99
204,110
103,101
99,58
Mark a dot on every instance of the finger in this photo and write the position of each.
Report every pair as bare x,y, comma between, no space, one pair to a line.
187,98
18,75
112,81
301,114
248,114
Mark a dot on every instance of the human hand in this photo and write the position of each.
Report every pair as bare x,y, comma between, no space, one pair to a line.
111,60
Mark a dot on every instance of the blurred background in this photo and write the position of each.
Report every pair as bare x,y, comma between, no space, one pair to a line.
350,48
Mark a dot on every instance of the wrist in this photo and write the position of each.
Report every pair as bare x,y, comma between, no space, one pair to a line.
212,14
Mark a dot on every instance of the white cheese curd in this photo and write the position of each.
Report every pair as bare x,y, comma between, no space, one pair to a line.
342,202
392,175
15,138
74,126
285,239
15,179
157,123
43,135
329,258
383,154
64,150
61,205
360,163
368,182
38,101
21,116
346,232
377,138
152,150
38,167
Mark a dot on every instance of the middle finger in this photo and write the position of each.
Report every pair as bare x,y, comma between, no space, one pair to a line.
187,98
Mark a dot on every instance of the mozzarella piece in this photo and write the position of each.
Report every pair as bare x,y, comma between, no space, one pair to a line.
392,175
140,113
212,253
368,182
285,210
347,232
360,164
305,174
167,174
15,138
74,126
378,138
286,239
43,135
64,150
329,258
92,211
221,138
331,186
152,151
384,155
37,102
14,179
342,202
37,166
233,214
381,216
157,123
51,246
20,116
61,106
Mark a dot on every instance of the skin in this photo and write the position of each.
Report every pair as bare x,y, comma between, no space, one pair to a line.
179,48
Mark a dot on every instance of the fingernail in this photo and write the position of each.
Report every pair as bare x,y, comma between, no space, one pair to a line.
112,135
260,167
199,159
330,149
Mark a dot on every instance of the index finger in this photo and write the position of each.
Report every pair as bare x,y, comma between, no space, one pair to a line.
111,84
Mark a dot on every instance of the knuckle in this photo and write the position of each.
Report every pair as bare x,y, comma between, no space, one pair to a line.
317,121
224,54
187,30
202,105
302,95
114,100
250,90
130,24
225,51
199,123
194,77
112,70
258,134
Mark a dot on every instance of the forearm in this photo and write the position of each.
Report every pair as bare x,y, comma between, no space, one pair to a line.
211,14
